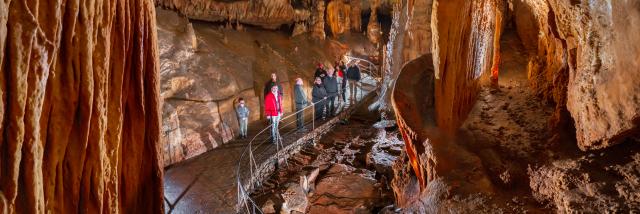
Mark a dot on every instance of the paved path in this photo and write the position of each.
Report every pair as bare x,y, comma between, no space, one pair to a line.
207,183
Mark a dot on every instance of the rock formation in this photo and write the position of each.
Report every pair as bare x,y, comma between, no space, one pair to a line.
317,21
269,14
80,107
463,35
338,17
417,38
585,65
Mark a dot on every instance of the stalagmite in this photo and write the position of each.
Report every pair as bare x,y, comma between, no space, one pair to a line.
80,107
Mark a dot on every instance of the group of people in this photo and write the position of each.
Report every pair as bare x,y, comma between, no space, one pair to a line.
329,85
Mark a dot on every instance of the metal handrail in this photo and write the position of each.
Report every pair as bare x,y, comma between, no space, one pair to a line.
243,197
244,200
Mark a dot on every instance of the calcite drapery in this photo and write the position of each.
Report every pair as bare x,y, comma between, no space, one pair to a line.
80,107
463,46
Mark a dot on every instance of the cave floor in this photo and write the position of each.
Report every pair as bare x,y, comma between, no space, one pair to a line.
207,183
532,167
357,146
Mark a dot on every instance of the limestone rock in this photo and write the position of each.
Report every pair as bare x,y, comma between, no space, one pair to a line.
317,21
586,65
344,190
583,186
80,111
458,28
417,38
338,17
269,14
295,200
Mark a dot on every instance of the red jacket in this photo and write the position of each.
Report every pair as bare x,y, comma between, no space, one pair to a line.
340,73
271,107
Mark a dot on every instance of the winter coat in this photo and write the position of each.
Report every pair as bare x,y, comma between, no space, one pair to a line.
301,98
353,73
331,85
269,84
272,107
242,111
318,92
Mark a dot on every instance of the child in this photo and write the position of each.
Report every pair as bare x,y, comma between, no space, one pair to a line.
243,117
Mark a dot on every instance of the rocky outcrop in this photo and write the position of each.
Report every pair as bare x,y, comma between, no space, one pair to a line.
338,17
317,21
269,14
344,190
463,35
584,186
356,15
80,115
585,64
417,38
374,30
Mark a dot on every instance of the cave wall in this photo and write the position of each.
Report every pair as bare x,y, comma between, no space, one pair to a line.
269,14
585,60
463,35
79,110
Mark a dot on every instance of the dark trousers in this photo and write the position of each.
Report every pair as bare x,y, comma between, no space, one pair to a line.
299,115
319,108
331,105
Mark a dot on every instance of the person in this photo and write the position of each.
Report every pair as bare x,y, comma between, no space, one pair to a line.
273,110
318,94
320,72
353,76
273,81
342,66
342,82
331,85
301,102
243,117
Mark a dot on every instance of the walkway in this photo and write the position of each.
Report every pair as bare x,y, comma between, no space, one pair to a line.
207,183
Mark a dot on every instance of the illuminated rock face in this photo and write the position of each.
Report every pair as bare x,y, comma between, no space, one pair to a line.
586,65
463,35
79,111
266,13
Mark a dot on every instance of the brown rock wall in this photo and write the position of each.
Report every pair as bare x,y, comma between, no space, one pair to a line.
270,14
80,110
463,33
584,57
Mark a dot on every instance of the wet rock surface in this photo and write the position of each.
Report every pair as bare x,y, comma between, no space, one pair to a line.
347,171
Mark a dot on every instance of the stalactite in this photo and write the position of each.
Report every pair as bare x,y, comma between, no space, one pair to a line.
80,132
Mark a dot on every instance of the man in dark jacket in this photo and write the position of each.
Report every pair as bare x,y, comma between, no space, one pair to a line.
320,72
331,85
318,93
353,76
301,102
273,81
